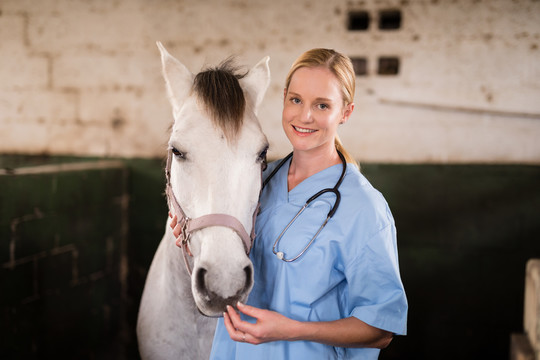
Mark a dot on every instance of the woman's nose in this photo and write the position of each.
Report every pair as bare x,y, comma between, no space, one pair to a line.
306,115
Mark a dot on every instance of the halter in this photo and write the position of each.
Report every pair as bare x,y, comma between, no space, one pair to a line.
191,225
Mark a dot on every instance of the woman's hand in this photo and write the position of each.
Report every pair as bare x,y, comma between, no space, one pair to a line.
270,325
174,225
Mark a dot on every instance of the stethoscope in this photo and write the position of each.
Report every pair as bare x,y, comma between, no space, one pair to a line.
280,255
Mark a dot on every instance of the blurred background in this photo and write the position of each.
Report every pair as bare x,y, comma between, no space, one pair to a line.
446,126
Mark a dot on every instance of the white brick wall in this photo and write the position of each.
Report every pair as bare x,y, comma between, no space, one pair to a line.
83,77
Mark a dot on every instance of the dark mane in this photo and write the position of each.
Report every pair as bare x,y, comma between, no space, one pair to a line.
219,91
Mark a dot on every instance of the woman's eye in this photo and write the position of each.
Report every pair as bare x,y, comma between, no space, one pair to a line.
178,153
295,100
323,106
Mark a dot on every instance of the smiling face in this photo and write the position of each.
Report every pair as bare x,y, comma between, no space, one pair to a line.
313,108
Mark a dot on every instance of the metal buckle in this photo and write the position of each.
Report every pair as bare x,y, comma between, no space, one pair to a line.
185,235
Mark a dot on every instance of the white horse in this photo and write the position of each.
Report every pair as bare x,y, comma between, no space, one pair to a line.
216,150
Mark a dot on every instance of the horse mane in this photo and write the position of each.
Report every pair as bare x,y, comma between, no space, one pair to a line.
220,92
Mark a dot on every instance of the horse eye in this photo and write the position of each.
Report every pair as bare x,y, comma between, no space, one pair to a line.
262,155
178,153
262,158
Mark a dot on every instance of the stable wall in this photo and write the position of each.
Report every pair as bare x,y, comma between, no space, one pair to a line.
83,77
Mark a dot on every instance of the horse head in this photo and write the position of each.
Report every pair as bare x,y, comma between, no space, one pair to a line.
217,148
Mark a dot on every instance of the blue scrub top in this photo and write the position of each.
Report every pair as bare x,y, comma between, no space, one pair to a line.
351,269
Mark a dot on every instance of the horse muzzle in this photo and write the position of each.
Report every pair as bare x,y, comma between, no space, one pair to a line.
213,291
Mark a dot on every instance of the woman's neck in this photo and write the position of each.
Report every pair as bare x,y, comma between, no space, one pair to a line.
305,164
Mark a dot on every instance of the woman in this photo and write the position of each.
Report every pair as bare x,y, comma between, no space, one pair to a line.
321,292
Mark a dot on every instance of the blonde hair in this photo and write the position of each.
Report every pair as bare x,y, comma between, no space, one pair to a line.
341,66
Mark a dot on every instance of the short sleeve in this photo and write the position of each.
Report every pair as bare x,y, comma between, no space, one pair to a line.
375,291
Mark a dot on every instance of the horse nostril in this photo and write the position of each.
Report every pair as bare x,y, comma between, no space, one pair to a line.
249,272
200,279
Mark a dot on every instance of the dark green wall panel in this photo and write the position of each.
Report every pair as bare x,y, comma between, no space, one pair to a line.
63,292
465,234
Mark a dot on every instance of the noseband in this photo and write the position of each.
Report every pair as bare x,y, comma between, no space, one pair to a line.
191,225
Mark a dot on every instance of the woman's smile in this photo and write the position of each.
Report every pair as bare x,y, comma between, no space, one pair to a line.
303,131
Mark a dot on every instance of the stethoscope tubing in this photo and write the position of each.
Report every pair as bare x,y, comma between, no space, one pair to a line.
331,213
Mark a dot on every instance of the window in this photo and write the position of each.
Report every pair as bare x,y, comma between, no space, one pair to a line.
359,65
388,66
389,19
358,20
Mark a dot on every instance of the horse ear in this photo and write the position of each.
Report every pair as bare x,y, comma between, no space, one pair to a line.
256,82
178,78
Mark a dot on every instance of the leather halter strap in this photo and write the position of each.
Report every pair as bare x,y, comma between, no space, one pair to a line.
191,225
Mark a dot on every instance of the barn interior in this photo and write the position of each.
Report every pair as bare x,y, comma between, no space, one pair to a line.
446,126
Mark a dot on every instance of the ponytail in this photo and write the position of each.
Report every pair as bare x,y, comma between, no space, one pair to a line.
348,157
